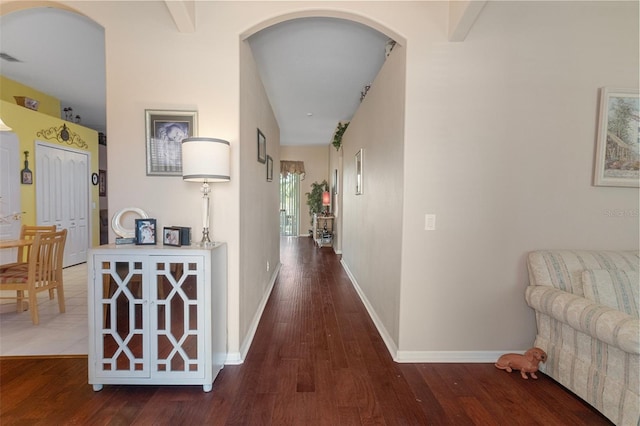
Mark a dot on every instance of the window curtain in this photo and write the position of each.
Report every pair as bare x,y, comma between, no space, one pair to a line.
294,167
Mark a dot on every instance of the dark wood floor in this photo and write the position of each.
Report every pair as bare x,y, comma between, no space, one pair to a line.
316,359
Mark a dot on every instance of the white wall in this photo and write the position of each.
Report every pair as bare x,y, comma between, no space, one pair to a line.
499,141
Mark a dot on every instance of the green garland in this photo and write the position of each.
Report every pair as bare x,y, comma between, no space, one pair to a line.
337,136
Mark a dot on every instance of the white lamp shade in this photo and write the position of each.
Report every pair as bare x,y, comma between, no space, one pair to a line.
4,127
205,160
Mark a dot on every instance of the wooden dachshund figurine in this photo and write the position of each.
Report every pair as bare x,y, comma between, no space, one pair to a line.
527,363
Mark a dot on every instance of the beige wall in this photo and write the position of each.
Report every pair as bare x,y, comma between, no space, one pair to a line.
372,221
259,201
498,142
500,139
316,166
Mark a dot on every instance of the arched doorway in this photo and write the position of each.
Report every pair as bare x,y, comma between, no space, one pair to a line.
59,61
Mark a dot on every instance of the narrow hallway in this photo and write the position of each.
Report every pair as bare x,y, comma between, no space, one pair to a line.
317,357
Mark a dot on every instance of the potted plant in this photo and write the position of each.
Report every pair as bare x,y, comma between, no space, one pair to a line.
337,136
314,198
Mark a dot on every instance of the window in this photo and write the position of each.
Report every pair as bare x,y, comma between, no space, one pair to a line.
289,204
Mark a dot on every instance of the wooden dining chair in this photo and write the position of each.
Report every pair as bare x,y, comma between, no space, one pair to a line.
42,272
27,232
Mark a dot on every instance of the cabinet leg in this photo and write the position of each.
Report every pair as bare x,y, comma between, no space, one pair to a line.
97,388
208,387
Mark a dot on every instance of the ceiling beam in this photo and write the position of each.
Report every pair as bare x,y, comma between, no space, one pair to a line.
462,16
183,13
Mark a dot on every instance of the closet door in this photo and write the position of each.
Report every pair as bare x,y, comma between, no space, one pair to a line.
77,174
62,196
9,193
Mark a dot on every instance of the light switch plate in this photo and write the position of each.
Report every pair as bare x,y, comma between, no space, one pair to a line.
429,222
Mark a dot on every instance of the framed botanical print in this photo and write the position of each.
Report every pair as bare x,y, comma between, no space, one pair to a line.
269,168
262,147
617,160
359,172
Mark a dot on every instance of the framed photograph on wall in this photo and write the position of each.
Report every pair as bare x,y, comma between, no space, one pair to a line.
269,168
617,159
171,236
262,148
145,231
165,131
102,183
359,172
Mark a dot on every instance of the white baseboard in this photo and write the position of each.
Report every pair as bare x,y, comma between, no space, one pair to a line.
450,356
386,337
236,358
233,358
422,356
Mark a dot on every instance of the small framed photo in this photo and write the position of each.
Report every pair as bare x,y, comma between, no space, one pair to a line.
102,183
359,172
171,236
165,131
269,168
262,148
617,160
185,235
145,231
26,177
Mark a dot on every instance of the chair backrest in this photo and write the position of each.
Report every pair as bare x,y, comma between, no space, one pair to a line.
45,261
28,232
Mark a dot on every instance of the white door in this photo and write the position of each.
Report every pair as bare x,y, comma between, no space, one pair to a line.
62,196
9,193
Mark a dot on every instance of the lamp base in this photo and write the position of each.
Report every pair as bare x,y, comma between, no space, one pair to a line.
206,242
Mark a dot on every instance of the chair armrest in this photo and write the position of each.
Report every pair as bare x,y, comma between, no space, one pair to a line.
593,319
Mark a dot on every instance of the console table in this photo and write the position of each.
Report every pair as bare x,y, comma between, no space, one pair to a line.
323,230
157,314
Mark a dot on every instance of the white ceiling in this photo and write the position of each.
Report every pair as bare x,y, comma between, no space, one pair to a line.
313,69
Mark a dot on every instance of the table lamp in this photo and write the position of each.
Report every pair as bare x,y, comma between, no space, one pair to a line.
326,201
205,160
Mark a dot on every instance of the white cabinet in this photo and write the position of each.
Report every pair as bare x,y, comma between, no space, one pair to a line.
157,315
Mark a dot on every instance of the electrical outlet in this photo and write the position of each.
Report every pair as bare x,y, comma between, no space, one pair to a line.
268,266
429,222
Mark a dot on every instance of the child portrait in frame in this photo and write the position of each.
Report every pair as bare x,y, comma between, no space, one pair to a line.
172,237
145,231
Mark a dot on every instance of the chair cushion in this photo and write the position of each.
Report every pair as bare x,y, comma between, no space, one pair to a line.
616,288
14,274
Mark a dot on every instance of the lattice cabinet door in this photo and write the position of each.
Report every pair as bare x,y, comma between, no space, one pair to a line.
157,315
121,317
177,316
